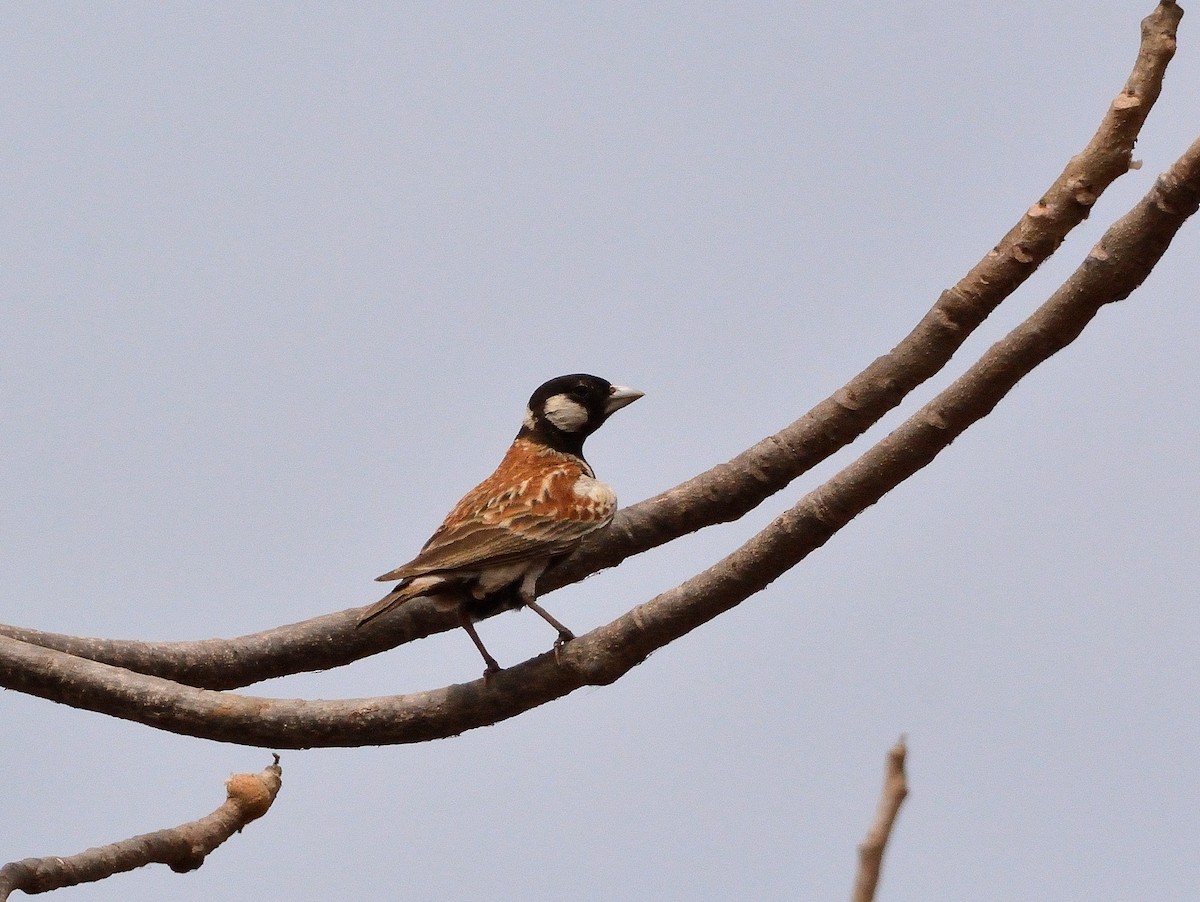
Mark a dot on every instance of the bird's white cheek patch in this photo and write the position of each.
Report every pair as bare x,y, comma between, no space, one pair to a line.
529,421
565,414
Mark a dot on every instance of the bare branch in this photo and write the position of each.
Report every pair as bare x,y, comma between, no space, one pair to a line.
870,853
1113,268
729,490
182,848
320,643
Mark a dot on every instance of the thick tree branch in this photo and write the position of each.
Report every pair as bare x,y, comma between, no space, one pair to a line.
1121,260
729,490
182,848
870,853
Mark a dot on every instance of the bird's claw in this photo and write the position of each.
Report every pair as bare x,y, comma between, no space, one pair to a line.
560,643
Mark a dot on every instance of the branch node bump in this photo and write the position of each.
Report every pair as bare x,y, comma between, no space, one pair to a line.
1021,254
1126,100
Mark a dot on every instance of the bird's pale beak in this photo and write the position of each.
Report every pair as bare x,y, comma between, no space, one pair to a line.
619,396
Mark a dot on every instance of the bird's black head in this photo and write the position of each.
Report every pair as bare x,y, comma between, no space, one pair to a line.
566,410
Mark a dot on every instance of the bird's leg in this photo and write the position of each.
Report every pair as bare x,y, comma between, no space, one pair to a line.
564,634
465,620
528,594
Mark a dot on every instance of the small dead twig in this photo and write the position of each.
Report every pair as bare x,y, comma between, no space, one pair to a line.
870,852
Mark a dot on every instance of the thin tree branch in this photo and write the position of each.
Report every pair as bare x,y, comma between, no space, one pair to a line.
1121,260
182,848
870,853
319,643
729,490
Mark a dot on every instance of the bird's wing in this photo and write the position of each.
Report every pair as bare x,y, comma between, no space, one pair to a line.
475,546
521,512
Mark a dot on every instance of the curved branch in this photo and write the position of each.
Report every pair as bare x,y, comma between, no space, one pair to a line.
320,643
1121,260
182,848
870,853
729,490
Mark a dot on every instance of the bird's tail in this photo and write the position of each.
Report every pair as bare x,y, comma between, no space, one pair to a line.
406,591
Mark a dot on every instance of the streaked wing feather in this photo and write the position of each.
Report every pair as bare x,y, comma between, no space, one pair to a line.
477,545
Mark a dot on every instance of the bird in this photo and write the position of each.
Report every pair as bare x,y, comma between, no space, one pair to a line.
538,505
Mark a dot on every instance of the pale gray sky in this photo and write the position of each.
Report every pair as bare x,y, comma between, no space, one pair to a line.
278,280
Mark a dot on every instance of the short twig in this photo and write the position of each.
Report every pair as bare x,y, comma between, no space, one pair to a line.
870,853
182,848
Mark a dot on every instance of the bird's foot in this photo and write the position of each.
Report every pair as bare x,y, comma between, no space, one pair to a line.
560,643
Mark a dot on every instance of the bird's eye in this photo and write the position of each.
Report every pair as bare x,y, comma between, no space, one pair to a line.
579,393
